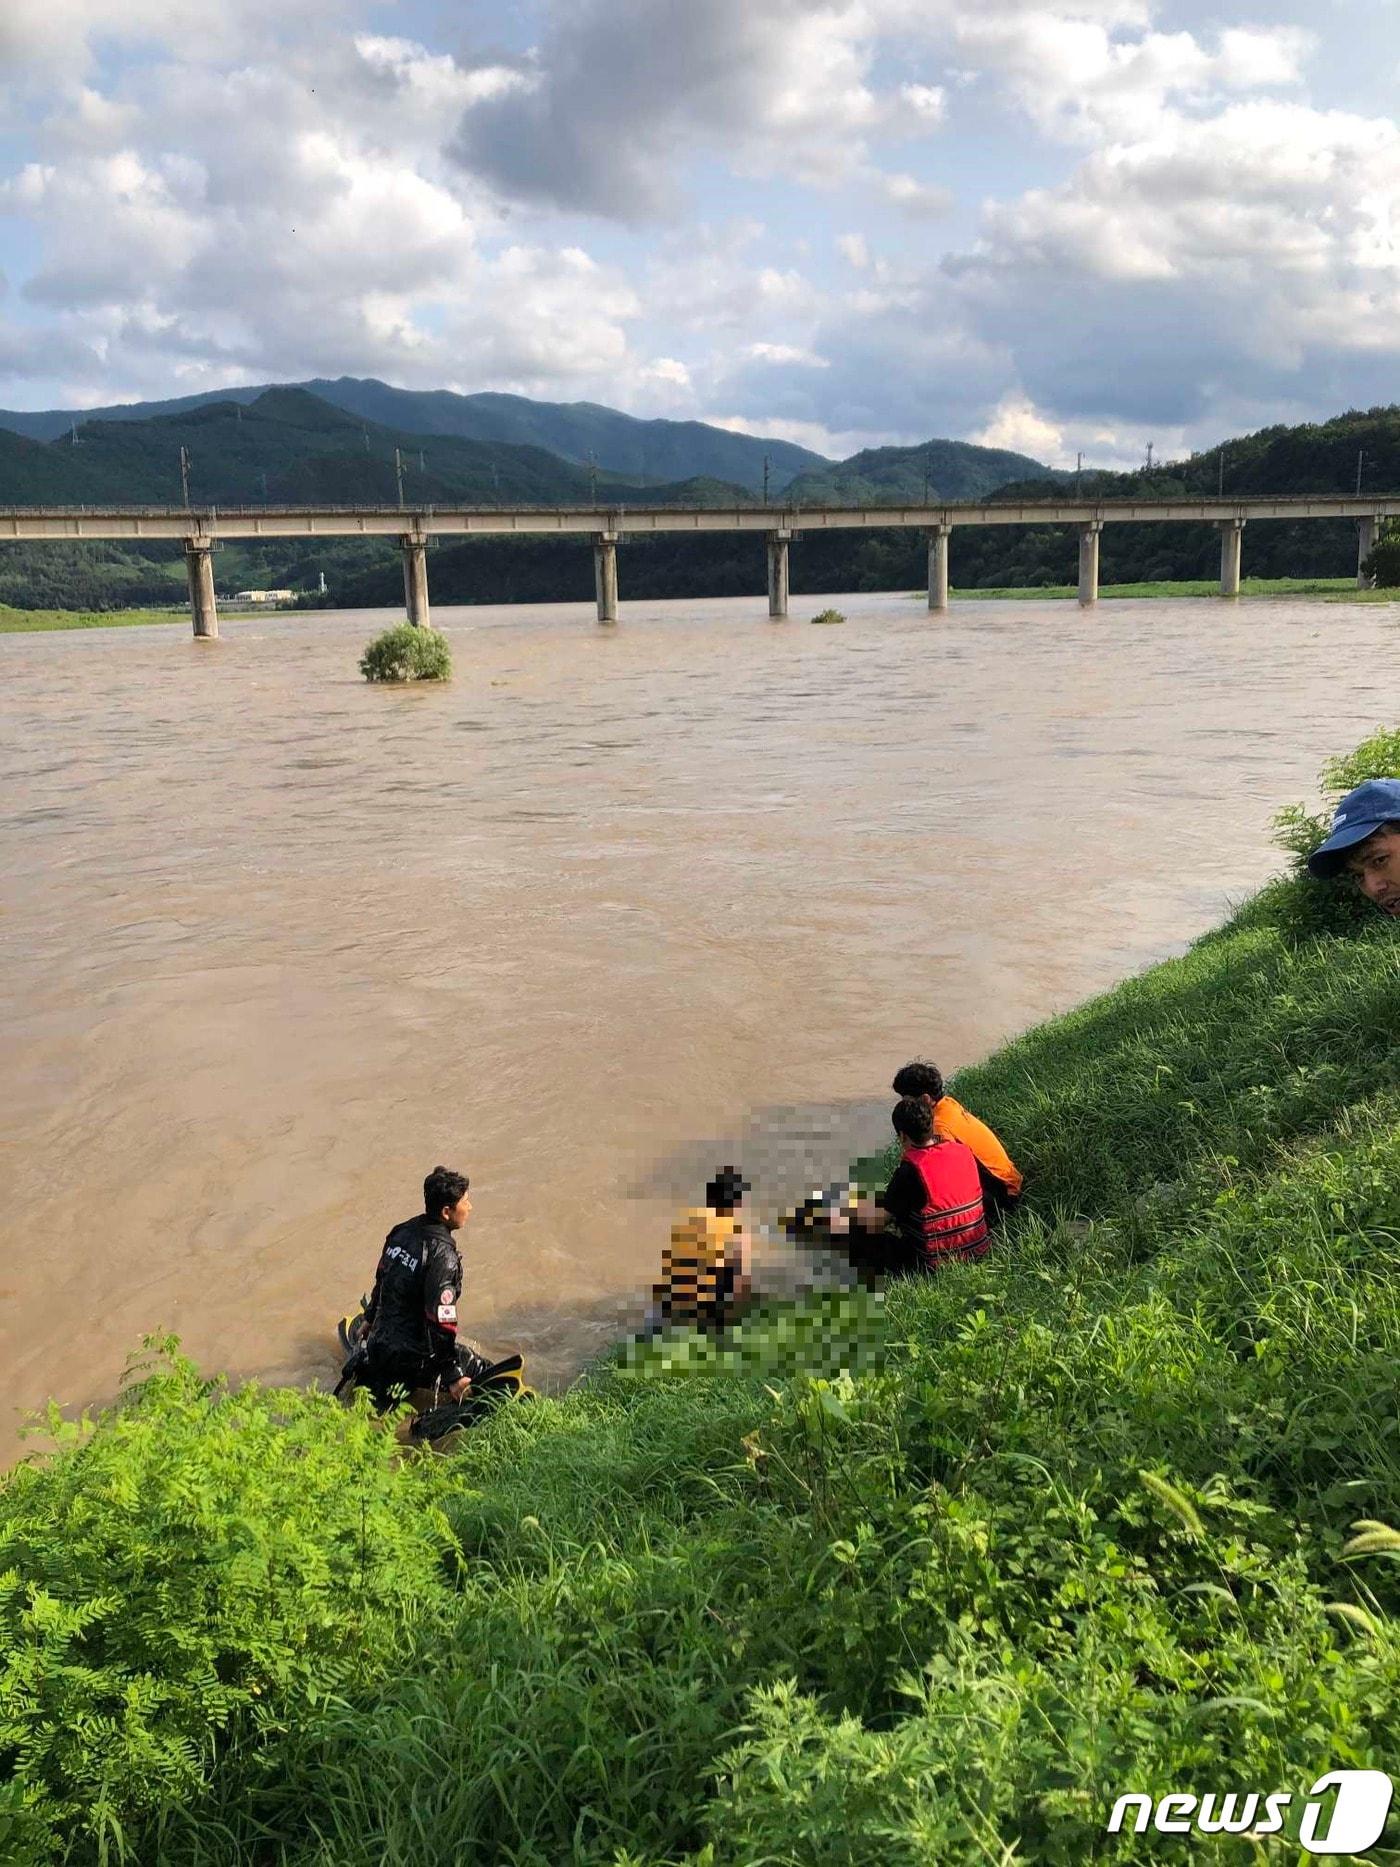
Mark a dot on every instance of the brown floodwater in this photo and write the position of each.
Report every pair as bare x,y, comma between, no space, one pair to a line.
610,909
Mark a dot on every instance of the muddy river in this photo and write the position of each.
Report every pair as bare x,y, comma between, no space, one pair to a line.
611,908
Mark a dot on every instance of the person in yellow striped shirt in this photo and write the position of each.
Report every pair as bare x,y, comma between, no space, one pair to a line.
1002,1182
705,1274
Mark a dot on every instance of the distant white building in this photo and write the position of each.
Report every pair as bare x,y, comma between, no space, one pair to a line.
264,596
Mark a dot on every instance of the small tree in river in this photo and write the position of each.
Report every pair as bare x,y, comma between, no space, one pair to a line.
407,653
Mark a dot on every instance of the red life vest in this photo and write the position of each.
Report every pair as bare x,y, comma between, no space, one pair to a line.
953,1221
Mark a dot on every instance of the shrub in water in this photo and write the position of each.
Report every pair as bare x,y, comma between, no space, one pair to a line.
407,653
829,615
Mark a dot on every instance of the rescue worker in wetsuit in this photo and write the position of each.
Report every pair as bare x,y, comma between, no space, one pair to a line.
411,1340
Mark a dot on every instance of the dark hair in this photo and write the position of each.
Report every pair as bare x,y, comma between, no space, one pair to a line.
913,1120
443,1188
726,1190
919,1079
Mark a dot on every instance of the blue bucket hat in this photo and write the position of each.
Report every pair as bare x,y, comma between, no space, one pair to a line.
1359,815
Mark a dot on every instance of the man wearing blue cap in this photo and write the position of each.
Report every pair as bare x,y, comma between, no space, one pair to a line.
1365,843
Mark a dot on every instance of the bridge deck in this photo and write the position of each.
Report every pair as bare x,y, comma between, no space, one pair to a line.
243,522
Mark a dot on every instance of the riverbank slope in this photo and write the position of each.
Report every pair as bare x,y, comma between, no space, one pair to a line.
921,1578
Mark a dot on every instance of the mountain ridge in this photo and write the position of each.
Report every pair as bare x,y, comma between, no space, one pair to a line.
643,449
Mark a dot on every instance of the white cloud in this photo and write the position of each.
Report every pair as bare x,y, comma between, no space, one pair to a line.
853,249
927,102
787,353
1074,78
922,199
44,40
835,443
1020,426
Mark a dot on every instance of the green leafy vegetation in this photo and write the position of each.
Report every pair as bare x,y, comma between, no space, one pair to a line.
1383,563
407,653
933,1577
34,621
828,616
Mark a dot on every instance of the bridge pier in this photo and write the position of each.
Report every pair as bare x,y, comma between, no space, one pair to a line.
199,568
605,575
938,568
1231,550
415,581
1089,562
1367,532
778,543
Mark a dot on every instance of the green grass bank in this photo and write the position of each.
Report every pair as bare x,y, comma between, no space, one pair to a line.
38,621
922,1578
1335,589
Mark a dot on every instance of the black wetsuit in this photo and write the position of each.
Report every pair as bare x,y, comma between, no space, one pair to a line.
411,1323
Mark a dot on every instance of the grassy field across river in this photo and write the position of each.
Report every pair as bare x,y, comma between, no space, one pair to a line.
39,621
929,1575
1334,588
36,621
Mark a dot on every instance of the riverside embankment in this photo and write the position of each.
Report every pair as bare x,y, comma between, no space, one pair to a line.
1077,1520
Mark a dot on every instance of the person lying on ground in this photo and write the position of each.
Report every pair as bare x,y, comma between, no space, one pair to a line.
932,1207
411,1341
705,1269
1002,1182
1365,844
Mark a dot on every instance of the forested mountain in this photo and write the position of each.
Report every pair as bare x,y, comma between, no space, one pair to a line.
933,470
290,447
642,452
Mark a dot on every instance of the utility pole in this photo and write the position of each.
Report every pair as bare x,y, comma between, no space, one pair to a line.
398,473
766,464
1360,462
1220,490
185,476
1078,469
593,476
1149,456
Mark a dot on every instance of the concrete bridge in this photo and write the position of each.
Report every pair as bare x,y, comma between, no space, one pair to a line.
201,528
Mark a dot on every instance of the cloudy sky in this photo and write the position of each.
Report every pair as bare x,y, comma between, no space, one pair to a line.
1047,224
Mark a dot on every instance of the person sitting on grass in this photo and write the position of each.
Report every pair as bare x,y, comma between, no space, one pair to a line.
932,1208
705,1272
1365,844
1001,1181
